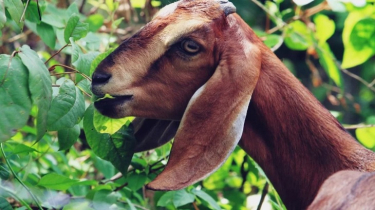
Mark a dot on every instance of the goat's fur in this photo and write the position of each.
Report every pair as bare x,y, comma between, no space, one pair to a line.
346,190
296,141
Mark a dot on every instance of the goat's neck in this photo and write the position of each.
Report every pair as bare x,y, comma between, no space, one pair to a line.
296,141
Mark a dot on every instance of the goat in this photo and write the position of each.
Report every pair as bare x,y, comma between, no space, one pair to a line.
346,190
196,66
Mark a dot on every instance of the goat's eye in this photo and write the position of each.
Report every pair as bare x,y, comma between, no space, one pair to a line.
190,47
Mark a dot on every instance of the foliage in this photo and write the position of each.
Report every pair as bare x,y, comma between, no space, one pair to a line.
58,152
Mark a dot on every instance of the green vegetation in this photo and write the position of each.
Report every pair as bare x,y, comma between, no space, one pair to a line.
57,152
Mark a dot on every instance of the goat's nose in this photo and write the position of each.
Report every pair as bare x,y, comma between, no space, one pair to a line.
99,78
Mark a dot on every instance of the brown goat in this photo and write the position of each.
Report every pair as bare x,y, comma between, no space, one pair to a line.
346,190
199,63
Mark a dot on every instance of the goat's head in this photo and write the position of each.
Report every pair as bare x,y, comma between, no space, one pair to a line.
194,62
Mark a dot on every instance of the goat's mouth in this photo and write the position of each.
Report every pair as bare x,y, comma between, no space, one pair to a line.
106,105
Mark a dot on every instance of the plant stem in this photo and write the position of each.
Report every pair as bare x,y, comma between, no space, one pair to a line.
264,193
352,127
14,195
56,53
71,68
18,179
24,11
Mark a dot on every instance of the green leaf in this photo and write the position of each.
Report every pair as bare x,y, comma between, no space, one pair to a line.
110,5
92,41
324,27
67,107
136,181
363,34
4,172
104,124
32,14
72,10
138,3
99,59
105,167
178,198
75,28
3,17
298,36
272,40
95,21
131,206
356,26
17,148
326,59
56,181
117,22
166,199
81,205
40,86
47,34
53,20
85,85
206,197
83,64
15,103
15,9
366,136
4,204
141,3
76,50
103,199
117,148
67,137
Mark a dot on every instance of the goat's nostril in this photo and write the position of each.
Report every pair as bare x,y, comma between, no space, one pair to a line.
100,78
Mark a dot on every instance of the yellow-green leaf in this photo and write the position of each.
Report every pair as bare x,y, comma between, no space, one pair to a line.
353,55
326,59
298,36
366,136
105,124
324,27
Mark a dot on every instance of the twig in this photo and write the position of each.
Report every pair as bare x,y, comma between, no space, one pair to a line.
56,53
140,207
24,10
84,92
371,83
318,8
82,5
18,179
195,206
264,8
279,20
352,127
120,187
71,68
354,76
278,45
264,193
19,36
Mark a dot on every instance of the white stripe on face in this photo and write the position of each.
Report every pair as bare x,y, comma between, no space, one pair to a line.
167,10
173,32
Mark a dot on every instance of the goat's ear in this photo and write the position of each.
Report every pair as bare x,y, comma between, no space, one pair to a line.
152,133
213,121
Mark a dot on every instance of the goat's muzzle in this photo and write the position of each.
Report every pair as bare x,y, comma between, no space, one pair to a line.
99,78
108,106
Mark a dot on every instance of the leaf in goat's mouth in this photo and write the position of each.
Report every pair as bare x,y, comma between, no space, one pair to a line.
106,96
